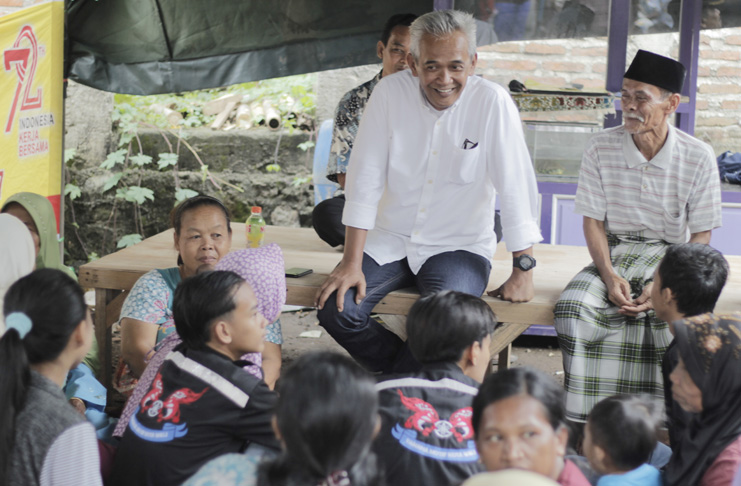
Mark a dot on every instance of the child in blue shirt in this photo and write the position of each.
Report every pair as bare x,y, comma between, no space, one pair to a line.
619,437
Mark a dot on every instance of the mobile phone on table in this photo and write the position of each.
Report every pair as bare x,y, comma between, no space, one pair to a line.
297,272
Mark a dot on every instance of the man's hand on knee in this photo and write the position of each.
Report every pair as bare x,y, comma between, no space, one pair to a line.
518,287
343,278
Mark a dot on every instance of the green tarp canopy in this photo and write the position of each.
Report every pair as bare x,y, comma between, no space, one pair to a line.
167,46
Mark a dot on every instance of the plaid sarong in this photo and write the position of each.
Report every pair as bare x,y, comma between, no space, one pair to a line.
606,353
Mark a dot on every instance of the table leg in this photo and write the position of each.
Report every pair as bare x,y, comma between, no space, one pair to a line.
108,303
504,357
501,341
103,333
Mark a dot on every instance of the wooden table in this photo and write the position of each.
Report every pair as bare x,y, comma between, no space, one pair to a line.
113,276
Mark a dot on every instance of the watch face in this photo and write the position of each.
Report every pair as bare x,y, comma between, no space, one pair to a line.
525,262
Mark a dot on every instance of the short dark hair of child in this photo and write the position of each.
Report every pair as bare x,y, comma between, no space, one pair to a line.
442,325
696,274
624,426
199,301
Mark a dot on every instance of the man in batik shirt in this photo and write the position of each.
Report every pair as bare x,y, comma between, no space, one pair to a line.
392,49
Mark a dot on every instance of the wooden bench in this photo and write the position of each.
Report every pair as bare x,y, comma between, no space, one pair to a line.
113,276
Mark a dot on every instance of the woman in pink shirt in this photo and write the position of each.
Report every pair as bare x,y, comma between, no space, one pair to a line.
707,382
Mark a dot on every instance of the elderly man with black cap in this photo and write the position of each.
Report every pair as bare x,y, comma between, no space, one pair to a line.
642,186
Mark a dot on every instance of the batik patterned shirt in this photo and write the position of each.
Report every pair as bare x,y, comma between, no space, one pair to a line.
346,123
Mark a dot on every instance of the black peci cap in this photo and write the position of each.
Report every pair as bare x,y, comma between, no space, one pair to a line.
657,70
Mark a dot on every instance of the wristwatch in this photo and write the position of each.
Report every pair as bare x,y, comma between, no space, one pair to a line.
524,262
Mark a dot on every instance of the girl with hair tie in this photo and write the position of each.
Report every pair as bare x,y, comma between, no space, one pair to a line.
43,440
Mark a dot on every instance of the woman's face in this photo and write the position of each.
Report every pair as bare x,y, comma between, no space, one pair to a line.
204,238
15,209
515,433
684,390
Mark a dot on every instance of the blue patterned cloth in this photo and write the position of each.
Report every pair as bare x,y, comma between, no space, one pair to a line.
346,122
82,384
232,469
150,300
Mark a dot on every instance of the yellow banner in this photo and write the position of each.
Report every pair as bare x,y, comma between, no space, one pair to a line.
31,101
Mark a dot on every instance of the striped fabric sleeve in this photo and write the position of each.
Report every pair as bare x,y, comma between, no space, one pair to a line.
590,196
705,202
73,458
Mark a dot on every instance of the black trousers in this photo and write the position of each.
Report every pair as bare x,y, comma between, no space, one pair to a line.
327,221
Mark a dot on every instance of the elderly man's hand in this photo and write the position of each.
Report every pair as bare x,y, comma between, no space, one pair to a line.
344,277
618,291
518,287
641,304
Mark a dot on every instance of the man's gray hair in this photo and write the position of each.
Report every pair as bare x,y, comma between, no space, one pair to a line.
440,24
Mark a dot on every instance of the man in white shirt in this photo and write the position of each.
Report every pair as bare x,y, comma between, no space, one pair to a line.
392,50
434,147
642,186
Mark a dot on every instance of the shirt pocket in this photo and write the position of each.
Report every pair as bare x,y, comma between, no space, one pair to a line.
464,164
675,225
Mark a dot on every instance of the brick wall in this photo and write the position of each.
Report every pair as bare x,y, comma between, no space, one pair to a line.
560,62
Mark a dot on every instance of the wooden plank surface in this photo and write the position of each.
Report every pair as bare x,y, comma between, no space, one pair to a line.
557,264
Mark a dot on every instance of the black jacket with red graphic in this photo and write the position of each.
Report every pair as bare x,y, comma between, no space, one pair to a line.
201,405
426,433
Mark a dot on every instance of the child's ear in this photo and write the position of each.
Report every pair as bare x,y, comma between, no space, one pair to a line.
80,333
669,296
474,353
470,356
221,333
599,455
562,440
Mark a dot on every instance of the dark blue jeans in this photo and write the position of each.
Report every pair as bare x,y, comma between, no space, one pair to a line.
372,345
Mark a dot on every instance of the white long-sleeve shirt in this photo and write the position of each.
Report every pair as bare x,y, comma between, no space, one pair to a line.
417,190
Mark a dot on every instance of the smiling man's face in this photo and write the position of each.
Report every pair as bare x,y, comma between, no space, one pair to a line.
443,68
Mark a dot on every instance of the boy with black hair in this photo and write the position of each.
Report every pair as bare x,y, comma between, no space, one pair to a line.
426,434
688,282
619,437
202,404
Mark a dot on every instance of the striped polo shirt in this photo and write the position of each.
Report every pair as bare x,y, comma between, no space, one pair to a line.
669,197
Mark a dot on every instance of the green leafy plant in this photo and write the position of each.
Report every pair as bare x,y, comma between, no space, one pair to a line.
170,115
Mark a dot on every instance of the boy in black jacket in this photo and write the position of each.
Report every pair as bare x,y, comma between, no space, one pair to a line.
202,404
426,434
